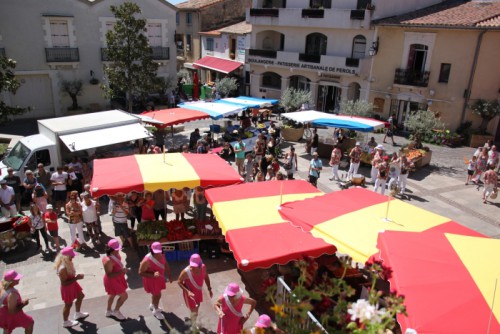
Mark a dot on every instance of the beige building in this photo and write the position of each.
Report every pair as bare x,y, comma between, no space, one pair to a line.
56,40
195,16
443,57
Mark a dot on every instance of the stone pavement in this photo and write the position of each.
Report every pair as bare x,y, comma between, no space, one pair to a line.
438,188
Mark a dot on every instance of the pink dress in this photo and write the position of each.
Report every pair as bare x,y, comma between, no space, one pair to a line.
12,321
154,285
195,284
70,292
116,285
230,322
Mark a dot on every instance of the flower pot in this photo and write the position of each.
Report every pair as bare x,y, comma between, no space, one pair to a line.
479,140
292,134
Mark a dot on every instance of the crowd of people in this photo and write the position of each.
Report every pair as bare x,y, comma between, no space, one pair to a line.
483,163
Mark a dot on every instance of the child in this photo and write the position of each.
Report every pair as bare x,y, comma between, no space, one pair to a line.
270,173
38,227
249,167
275,165
471,168
50,219
255,170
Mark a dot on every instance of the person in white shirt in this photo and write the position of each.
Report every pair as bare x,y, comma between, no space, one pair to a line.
90,212
59,180
8,199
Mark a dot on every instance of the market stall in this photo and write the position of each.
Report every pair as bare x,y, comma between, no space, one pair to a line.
248,101
214,109
170,117
449,280
249,218
353,223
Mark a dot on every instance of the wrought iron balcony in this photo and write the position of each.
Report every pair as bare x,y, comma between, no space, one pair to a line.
352,62
62,55
313,13
310,58
2,52
262,53
269,12
357,14
411,77
161,53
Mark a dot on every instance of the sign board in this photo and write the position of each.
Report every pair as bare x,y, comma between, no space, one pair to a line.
303,66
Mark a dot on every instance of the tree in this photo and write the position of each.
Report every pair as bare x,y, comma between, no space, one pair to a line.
487,110
422,122
73,89
356,108
8,83
131,69
226,86
292,99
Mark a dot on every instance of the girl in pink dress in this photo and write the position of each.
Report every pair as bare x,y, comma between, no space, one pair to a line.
152,269
12,315
229,306
114,279
191,282
70,289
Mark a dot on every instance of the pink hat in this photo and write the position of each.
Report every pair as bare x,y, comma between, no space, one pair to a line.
12,275
156,247
264,321
68,251
233,289
195,260
114,244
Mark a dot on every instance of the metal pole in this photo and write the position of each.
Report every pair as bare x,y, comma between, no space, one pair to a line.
492,305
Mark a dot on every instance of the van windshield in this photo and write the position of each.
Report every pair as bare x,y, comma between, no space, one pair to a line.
17,156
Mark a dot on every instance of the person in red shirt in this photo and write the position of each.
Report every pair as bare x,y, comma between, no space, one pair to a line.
50,219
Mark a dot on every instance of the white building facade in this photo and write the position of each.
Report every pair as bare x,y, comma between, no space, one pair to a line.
322,46
57,40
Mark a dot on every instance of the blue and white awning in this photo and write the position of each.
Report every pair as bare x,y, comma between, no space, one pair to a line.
213,109
249,102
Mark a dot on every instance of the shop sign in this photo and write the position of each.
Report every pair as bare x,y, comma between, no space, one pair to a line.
302,66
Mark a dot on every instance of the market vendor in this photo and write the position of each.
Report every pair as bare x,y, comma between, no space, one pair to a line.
191,281
372,143
178,201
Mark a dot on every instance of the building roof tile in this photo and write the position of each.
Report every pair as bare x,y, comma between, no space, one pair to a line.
197,4
451,13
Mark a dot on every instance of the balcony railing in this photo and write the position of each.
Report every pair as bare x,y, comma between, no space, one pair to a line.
262,53
2,52
352,62
310,58
357,14
62,55
270,12
161,53
411,77
313,13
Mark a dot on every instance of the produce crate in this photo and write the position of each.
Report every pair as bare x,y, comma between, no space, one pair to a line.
170,253
186,249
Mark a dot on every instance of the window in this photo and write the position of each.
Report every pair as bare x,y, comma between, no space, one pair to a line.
177,20
417,58
210,44
154,34
320,3
271,80
189,18
188,42
444,73
59,33
316,44
358,47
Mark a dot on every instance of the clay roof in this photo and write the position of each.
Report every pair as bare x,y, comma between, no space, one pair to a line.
451,13
197,4
239,28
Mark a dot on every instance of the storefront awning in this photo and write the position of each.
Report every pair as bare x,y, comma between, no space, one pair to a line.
217,64
103,137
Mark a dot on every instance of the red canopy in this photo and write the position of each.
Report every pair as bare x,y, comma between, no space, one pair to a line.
217,64
248,216
173,116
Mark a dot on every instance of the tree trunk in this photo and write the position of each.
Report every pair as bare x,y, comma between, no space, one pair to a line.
484,125
75,102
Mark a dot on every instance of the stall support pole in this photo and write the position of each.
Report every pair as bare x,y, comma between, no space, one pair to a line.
492,305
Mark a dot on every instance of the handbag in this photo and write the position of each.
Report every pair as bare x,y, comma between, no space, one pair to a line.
287,165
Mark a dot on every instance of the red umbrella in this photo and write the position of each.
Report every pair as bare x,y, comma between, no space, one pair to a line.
196,86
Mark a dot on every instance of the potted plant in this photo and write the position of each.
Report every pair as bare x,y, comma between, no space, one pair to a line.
94,81
487,110
73,89
291,100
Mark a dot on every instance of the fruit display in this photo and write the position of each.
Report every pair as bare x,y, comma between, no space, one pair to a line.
415,154
177,231
209,227
152,230
366,158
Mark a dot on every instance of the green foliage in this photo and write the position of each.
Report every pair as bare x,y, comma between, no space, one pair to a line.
422,123
152,230
441,137
292,99
131,68
487,110
8,83
226,86
356,108
74,89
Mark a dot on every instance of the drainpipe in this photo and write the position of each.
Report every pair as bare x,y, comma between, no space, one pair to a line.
472,73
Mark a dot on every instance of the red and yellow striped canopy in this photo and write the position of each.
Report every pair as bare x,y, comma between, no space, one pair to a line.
351,219
248,215
449,280
158,171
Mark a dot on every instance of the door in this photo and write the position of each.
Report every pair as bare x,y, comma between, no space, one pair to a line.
329,98
35,92
406,108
